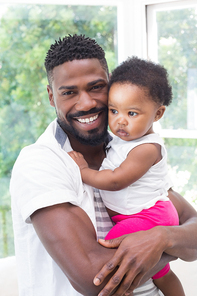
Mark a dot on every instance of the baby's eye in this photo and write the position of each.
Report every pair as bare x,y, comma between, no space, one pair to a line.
113,111
131,113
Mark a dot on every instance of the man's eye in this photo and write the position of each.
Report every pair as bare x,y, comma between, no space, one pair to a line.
97,86
131,113
67,93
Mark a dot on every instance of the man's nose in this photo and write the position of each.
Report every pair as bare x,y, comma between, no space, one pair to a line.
85,102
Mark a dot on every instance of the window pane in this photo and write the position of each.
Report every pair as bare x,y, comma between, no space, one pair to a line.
177,51
182,159
171,32
26,33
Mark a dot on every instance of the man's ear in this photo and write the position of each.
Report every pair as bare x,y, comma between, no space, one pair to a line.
50,94
160,112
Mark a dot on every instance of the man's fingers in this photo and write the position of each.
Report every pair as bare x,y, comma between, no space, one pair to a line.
105,271
134,284
113,283
110,266
121,285
112,243
125,279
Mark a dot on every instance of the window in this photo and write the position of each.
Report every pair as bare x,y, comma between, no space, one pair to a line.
172,28
122,28
26,31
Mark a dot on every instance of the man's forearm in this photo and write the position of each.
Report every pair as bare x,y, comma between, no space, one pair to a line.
182,239
69,237
165,259
182,243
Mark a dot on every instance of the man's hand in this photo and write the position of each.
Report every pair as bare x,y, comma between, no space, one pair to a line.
137,254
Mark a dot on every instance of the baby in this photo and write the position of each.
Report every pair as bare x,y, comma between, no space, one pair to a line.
133,179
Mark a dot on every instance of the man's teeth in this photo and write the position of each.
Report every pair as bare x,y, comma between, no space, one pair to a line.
88,120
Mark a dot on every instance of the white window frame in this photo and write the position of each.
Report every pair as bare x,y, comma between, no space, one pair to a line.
131,20
152,52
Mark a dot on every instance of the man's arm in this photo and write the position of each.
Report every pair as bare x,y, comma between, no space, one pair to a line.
147,246
69,237
182,240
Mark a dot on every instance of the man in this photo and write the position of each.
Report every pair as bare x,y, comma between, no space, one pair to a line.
53,211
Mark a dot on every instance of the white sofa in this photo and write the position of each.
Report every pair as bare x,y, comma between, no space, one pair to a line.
8,277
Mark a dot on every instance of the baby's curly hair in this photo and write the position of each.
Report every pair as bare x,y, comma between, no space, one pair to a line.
76,47
146,74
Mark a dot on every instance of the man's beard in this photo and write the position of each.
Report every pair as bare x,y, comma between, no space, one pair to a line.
94,137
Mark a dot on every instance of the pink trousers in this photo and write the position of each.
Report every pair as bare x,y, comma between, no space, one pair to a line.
162,213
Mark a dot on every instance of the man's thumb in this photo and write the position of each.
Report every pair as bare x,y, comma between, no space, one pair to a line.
111,243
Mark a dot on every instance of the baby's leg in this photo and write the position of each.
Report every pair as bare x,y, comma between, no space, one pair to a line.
128,224
170,285
162,213
144,221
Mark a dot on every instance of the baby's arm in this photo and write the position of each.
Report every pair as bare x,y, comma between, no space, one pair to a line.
137,163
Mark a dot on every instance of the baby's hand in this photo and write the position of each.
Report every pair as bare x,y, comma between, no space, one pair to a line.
79,159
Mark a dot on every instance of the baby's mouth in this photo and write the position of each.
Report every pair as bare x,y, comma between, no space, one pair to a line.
122,132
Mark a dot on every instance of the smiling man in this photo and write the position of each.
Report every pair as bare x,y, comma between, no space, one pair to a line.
57,219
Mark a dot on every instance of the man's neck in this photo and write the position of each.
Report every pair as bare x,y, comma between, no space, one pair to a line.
94,155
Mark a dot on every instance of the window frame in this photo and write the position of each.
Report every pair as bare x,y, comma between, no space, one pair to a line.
132,35
151,52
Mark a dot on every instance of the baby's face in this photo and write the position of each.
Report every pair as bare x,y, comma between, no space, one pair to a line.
131,111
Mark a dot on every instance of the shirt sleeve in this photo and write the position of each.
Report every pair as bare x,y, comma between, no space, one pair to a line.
44,177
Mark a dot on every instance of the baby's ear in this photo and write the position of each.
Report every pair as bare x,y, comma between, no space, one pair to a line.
160,112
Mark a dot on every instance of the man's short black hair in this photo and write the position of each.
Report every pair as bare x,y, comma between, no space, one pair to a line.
76,47
146,74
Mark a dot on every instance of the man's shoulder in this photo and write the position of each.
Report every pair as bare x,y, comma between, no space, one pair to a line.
53,135
51,147
52,138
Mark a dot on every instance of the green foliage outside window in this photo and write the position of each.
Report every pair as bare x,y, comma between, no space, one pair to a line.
27,31
177,51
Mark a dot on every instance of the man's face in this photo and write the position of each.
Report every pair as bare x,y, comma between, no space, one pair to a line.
79,95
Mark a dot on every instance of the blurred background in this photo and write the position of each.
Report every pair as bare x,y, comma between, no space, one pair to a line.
163,31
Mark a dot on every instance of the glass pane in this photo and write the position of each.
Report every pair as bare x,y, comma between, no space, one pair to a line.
26,33
182,159
177,51
175,46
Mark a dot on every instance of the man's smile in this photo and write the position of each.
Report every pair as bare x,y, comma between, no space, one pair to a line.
88,120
